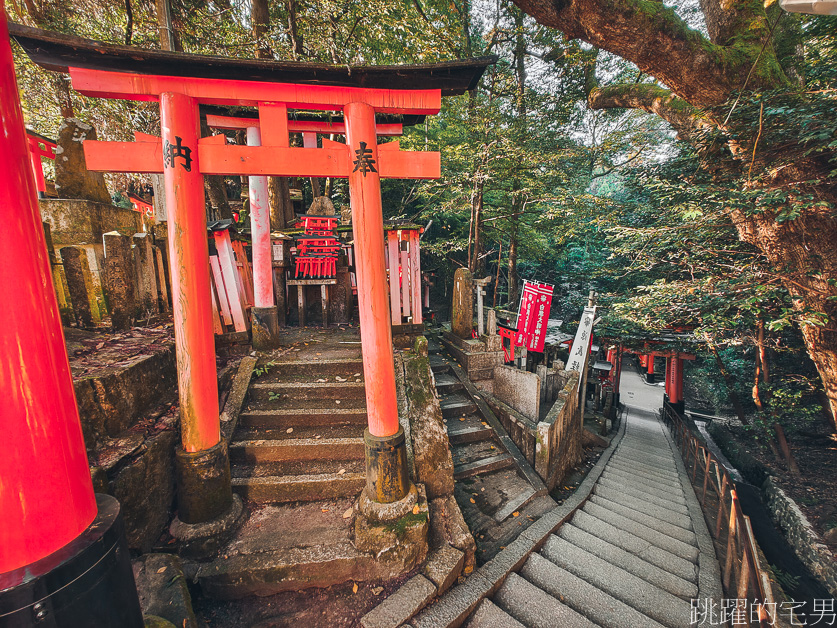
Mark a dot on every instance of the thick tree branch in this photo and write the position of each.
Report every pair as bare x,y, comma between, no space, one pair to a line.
651,98
661,44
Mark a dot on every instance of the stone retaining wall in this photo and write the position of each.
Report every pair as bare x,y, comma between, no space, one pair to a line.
801,535
558,447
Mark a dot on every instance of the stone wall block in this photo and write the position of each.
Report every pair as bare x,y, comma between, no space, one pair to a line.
145,274
77,275
120,280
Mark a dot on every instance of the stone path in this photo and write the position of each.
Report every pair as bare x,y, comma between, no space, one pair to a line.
633,556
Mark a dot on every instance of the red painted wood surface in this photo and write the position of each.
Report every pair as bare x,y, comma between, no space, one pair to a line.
124,85
188,254
35,154
372,293
300,126
46,495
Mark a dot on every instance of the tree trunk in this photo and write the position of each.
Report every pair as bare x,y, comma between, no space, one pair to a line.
475,264
260,18
520,108
164,25
280,199
293,30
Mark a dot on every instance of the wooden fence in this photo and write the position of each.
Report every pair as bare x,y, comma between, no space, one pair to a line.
743,576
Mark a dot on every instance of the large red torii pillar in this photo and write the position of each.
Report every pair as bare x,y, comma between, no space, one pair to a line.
183,157
63,555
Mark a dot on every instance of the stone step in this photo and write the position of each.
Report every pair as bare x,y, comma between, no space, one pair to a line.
631,589
582,596
286,394
655,464
471,434
288,547
663,451
297,467
465,453
492,463
617,501
638,469
655,537
489,615
308,403
303,432
283,419
661,578
638,546
535,608
456,406
514,504
312,368
643,491
639,493
298,488
447,383
629,478
256,451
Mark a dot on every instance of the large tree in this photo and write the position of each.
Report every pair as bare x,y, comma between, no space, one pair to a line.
747,57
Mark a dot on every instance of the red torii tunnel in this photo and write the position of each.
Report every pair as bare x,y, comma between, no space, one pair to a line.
181,83
673,370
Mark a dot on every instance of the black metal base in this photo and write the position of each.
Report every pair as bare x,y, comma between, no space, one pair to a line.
204,492
88,583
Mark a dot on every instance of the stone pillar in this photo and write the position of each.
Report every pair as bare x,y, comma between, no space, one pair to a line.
146,280
462,308
77,274
72,179
119,280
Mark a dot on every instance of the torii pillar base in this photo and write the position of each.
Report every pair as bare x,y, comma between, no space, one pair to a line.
88,582
265,326
208,514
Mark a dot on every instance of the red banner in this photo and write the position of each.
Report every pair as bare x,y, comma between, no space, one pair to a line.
533,315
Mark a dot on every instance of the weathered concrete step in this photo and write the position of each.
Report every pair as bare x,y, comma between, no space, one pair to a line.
300,432
307,403
313,368
489,615
663,460
514,504
299,488
456,406
663,450
465,453
438,365
615,555
297,391
492,463
644,496
283,419
255,451
631,589
536,608
613,499
655,537
642,491
635,545
633,468
658,483
582,596
470,434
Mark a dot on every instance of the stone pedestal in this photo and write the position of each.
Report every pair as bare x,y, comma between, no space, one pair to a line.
119,280
76,273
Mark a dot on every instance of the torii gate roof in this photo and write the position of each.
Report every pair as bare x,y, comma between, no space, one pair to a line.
59,52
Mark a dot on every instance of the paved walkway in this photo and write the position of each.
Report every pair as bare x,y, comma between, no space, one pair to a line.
633,556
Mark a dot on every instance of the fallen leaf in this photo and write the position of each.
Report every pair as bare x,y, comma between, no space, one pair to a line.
325,509
336,401
290,429
356,375
319,354
515,514
320,381
317,437
340,379
354,588
462,419
341,472
473,501
492,447
348,513
378,590
416,509
161,569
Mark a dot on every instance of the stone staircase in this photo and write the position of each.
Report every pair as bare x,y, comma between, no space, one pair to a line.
497,490
301,435
632,557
